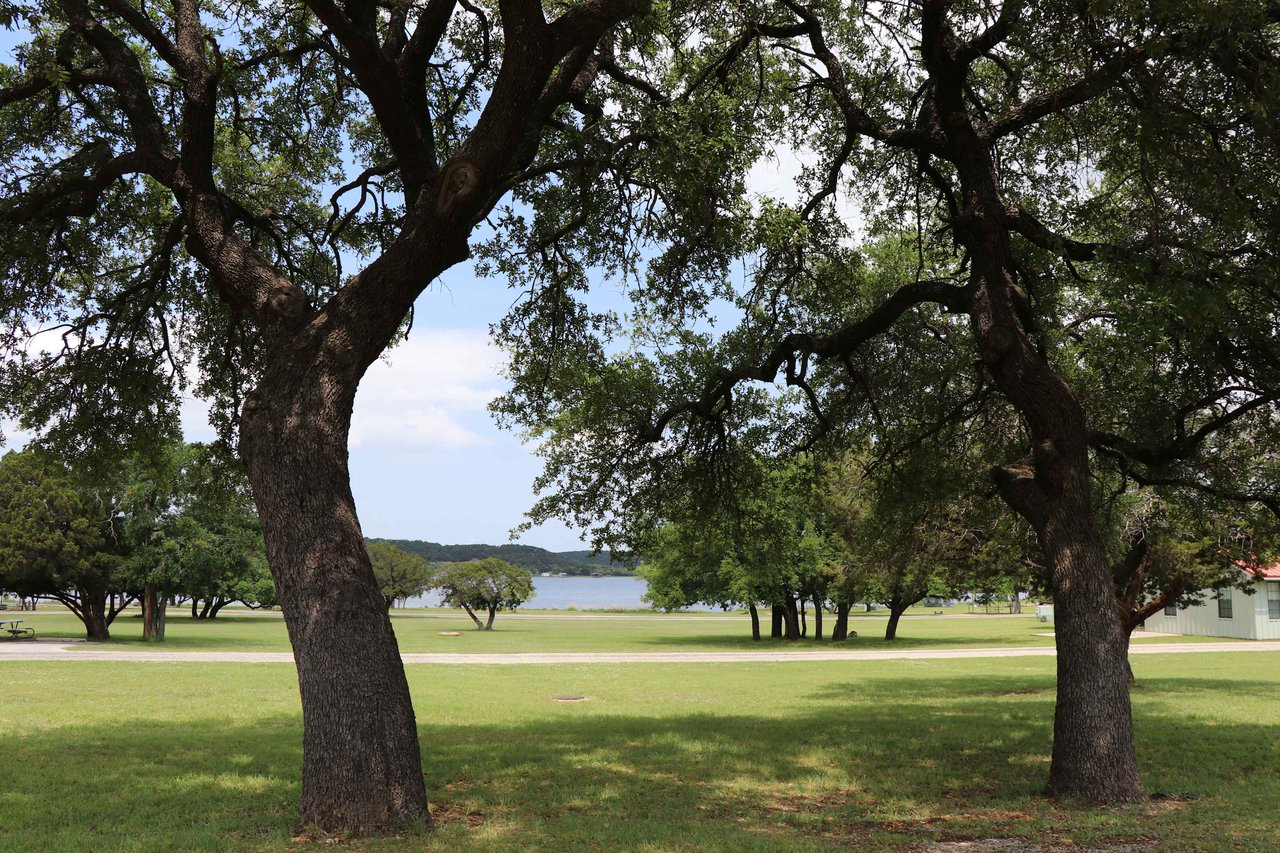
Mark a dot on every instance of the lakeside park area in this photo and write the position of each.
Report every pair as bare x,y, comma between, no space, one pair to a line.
777,755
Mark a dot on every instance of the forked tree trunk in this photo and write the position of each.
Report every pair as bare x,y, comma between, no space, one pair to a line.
791,620
488,624
895,613
755,621
474,617
92,610
841,629
361,768
154,604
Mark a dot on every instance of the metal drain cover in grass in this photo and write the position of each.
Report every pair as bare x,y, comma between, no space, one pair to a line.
450,633
568,697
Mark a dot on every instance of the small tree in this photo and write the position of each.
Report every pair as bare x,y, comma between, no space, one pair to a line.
399,573
489,584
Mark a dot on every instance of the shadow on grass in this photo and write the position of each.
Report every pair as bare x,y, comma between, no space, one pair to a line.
223,633
866,641
874,765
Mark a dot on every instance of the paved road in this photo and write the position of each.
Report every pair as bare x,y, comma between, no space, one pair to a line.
56,651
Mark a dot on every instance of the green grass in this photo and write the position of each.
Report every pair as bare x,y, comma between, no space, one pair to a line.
784,756
568,633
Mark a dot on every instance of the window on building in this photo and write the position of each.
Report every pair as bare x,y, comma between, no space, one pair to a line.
1171,610
1273,600
1224,604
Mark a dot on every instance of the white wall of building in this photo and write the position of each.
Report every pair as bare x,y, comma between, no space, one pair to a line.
1250,616
1268,628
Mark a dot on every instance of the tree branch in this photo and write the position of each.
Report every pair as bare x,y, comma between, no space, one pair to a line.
720,387
1082,91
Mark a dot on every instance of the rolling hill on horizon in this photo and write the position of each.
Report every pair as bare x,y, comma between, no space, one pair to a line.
531,557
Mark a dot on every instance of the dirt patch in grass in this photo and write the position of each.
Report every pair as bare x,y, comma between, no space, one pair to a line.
446,813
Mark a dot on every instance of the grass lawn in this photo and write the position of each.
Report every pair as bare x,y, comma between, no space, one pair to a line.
568,633
782,756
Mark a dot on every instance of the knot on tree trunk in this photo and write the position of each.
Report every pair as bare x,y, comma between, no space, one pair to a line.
460,181
998,340
288,300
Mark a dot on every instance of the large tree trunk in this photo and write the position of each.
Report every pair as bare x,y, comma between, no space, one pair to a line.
93,613
841,629
896,609
776,618
791,620
1093,752
755,621
154,604
361,768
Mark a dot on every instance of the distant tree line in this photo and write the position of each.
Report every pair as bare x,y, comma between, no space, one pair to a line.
172,526
536,560
808,535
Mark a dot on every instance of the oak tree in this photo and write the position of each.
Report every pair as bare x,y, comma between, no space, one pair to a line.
1057,172
248,197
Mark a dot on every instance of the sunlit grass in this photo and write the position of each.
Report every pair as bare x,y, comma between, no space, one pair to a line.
783,756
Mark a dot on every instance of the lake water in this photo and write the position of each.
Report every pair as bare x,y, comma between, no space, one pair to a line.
610,593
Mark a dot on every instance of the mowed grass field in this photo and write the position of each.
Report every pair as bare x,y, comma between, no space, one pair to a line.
421,632
874,755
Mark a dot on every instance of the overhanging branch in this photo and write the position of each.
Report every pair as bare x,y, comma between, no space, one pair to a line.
799,345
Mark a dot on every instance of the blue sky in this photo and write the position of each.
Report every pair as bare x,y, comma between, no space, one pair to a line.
427,461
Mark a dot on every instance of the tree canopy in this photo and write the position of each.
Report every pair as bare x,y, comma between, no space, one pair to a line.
486,585
400,574
61,538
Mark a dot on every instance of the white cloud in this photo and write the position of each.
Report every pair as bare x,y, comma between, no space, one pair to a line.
422,396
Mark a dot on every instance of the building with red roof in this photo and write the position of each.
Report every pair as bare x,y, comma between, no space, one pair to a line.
1246,614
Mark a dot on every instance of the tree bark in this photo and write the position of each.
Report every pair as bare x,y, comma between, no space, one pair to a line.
841,630
790,620
488,625
92,611
776,622
817,618
895,613
755,621
1093,752
361,766
195,607
474,617
804,620
154,604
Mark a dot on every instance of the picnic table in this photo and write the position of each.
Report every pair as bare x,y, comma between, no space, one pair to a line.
13,627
